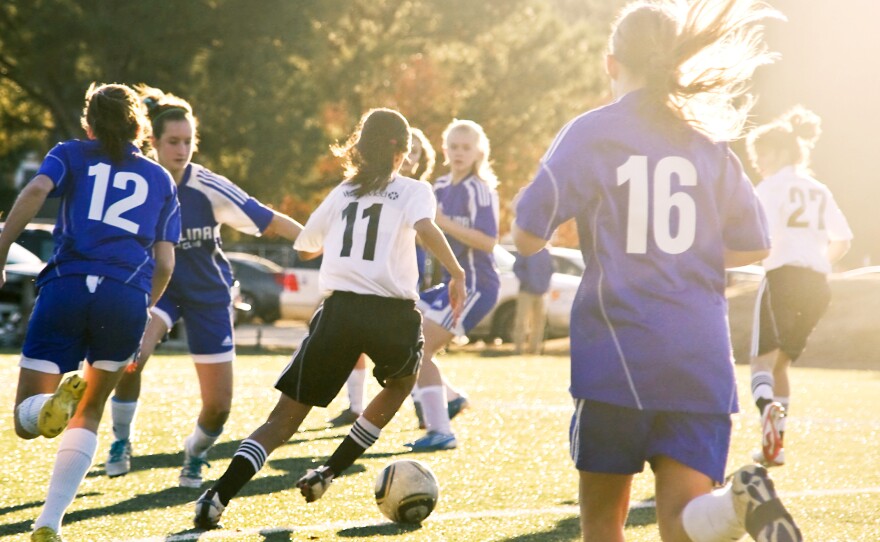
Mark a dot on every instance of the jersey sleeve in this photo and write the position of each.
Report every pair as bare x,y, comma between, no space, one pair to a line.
233,206
557,190
422,204
56,167
311,238
743,221
835,222
486,216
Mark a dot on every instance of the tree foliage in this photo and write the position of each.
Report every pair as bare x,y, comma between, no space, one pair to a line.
275,83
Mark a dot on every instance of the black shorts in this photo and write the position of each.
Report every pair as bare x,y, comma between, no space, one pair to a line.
343,327
792,299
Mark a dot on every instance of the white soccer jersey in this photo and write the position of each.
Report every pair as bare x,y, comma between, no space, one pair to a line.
803,218
369,242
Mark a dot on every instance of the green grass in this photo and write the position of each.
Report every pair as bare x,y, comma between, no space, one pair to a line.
510,479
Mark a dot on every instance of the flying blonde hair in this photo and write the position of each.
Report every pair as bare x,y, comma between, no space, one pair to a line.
697,58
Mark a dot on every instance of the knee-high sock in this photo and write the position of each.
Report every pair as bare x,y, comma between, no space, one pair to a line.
200,441
247,461
712,517
362,435
433,400
762,389
355,386
122,414
75,455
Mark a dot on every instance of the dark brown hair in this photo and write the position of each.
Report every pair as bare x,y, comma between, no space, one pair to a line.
369,153
116,118
427,158
793,134
162,107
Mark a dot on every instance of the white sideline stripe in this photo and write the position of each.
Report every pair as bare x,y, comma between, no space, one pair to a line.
555,510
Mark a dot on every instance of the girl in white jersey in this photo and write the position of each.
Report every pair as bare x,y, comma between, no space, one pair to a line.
809,234
662,207
366,229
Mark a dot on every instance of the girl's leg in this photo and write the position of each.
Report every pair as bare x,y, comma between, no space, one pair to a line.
34,388
676,486
604,504
432,393
77,448
215,381
281,424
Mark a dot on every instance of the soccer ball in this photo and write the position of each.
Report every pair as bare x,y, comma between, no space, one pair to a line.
407,491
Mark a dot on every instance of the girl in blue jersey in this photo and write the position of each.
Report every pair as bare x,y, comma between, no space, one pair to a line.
114,252
199,289
467,212
662,207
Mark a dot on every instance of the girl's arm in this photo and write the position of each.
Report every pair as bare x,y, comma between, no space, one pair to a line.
163,253
434,240
735,258
25,208
837,249
526,243
469,236
283,226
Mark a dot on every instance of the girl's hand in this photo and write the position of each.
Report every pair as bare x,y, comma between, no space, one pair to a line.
457,295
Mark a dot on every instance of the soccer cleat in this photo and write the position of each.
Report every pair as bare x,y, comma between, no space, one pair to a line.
208,510
191,473
346,417
58,410
455,406
759,509
758,457
419,414
433,441
315,482
45,534
771,439
119,459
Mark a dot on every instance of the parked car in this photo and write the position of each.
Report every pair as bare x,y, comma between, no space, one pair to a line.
300,294
261,282
37,237
18,294
499,323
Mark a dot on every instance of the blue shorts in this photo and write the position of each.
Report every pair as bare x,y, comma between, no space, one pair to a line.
209,332
434,306
612,439
77,317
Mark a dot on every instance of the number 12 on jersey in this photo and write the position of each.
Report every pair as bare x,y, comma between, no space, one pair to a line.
350,215
635,172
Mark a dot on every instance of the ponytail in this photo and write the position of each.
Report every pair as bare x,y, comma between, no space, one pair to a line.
370,152
116,118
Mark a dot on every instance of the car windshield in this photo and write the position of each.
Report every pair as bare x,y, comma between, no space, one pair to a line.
19,254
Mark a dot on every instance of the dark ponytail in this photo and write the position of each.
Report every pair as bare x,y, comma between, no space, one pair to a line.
116,118
369,153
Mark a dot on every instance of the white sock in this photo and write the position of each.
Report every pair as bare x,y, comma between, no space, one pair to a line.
762,386
355,384
712,517
784,401
433,399
416,394
75,455
122,413
28,412
200,441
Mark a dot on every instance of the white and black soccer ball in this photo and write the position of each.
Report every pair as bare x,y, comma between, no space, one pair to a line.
407,491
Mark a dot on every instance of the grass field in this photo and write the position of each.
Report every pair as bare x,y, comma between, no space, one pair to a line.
510,479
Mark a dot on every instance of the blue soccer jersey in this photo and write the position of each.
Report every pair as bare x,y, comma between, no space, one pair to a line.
111,214
473,204
202,274
656,205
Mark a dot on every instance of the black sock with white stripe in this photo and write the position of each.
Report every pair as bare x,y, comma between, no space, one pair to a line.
362,435
246,462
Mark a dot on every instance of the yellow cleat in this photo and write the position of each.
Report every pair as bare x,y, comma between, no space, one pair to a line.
58,410
45,534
